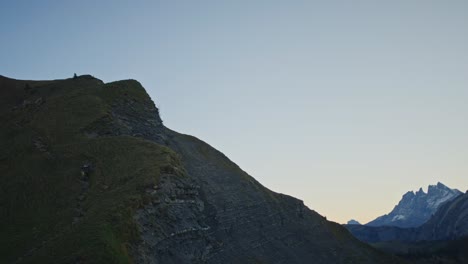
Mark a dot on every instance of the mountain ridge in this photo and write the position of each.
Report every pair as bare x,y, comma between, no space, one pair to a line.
448,223
415,208
442,239
102,180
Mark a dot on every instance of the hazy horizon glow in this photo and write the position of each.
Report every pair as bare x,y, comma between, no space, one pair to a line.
344,105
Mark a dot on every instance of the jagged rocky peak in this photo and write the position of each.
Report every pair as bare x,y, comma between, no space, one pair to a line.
439,187
415,208
408,195
420,191
448,223
439,194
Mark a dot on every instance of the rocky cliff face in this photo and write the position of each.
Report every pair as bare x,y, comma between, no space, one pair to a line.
153,195
414,209
228,217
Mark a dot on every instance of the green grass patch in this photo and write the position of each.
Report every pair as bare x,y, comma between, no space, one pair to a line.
40,186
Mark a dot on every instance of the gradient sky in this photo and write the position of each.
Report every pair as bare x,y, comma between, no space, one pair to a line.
344,104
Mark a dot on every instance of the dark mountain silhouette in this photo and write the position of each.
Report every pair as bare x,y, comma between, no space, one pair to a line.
91,175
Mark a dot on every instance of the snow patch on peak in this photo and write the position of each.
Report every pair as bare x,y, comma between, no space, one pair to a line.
398,217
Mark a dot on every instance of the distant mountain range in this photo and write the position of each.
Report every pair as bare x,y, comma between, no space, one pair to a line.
442,239
448,223
414,209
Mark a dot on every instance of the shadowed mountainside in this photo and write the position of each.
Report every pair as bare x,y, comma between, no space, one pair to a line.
91,175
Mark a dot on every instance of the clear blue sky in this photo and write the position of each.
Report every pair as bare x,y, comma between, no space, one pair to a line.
343,104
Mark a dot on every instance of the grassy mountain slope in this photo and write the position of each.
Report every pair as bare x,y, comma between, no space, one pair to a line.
90,175
43,192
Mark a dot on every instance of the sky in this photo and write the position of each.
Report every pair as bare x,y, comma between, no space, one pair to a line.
345,105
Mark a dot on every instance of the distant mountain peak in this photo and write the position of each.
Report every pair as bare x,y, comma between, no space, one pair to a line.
415,208
441,187
353,222
408,196
449,222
